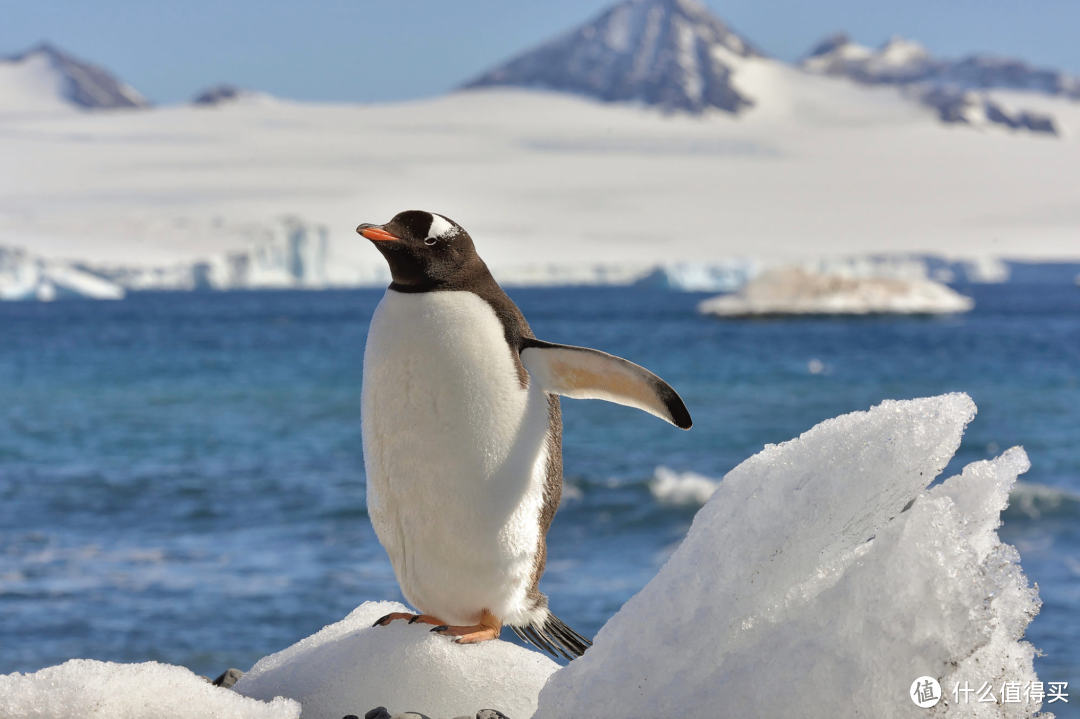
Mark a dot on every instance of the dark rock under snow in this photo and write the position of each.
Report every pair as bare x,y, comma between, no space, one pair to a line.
955,89
671,53
901,61
86,85
218,94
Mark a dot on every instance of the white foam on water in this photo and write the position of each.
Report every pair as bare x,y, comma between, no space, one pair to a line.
805,589
681,488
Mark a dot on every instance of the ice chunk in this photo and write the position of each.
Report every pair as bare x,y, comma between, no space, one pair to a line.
350,667
797,291
85,688
805,589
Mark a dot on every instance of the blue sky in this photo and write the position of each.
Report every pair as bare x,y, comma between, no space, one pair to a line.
337,50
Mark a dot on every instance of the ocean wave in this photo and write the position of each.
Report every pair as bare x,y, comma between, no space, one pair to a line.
1026,500
681,488
1039,500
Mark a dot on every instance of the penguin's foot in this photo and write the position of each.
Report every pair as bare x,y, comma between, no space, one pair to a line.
413,618
487,629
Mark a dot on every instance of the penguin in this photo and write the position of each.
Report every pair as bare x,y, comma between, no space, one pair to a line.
462,435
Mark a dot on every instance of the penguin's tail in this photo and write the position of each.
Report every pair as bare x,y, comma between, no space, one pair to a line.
553,636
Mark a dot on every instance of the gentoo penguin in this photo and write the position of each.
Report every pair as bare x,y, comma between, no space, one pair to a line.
462,435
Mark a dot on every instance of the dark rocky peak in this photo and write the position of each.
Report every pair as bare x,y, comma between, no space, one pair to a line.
670,53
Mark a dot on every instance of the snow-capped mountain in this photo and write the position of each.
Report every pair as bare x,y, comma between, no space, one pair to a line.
670,53
956,89
901,61
45,78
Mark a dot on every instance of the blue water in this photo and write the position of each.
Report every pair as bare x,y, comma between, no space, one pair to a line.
181,477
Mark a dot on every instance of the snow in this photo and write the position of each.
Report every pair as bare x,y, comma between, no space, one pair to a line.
88,689
823,575
44,81
796,291
540,179
351,667
31,84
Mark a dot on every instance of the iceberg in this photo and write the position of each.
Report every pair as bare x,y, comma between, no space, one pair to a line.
24,276
351,667
821,579
88,688
796,291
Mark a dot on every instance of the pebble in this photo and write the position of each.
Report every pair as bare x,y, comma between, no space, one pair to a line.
382,713
228,678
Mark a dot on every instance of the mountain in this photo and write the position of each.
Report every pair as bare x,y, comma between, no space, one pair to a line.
45,77
956,89
671,53
901,61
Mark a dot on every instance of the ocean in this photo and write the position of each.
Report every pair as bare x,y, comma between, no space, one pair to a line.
181,475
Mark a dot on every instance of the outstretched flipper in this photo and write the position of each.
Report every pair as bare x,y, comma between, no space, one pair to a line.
583,373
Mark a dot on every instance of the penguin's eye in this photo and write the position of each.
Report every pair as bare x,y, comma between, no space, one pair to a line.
430,241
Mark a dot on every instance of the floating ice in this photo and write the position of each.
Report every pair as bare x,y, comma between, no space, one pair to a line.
24,276
805,589
84,688
350,667
799,292
671,487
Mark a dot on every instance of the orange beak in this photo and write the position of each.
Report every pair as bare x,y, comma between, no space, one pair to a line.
377,235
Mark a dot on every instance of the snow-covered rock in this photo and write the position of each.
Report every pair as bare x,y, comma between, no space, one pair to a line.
902,61
24,276
821,579
351,667
46,78
796,291
671,53
85,689
227,94
954,88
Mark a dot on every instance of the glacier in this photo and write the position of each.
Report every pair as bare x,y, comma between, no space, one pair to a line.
24,276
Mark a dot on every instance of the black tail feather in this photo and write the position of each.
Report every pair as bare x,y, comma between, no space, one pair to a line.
554,637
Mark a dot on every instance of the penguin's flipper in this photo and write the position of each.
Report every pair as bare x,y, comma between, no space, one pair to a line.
583,373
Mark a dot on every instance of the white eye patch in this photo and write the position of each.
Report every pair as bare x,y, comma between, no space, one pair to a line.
440,228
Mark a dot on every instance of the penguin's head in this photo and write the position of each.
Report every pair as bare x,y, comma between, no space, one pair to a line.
423,249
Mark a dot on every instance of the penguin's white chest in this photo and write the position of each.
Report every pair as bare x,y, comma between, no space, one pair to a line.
455,451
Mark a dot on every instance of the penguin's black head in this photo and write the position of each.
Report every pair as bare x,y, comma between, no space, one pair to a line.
424,250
